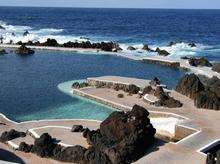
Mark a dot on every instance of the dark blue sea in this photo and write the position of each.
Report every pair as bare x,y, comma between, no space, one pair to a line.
28,85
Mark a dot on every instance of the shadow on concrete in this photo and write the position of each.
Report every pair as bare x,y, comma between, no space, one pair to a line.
155,146
10,157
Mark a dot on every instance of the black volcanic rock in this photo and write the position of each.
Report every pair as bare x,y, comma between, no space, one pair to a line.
216,67
199,62
155,81
162,52
2,28
146,48
44,146
25,147
147,90
131,48
117,141
26,33
50,43
10,135
165,100
77,128
71,154
190,85
23,50
204,95
192,44
132,89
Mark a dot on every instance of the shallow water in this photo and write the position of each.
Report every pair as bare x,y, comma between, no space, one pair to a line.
29,84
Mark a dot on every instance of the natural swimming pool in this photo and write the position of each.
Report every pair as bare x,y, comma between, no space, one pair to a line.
29,84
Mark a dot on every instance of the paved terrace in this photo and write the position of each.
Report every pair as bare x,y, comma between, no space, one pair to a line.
206,122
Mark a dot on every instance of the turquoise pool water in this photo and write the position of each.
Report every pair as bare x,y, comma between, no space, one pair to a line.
29,85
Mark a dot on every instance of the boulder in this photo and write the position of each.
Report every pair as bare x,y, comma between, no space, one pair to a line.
199,62
71,154
2,52
162,52
190,85
77,128
23,50
75,85
10,135
25,147
86,132
44,146
216,67
131,48
155,81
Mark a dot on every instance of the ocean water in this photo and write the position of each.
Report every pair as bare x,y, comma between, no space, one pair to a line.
156,27
29,85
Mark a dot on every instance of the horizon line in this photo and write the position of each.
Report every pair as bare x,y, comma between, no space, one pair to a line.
113,7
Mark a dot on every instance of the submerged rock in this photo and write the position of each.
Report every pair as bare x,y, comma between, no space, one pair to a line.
23,50
10,135
199,62
131,48
162,52
216,67
2,52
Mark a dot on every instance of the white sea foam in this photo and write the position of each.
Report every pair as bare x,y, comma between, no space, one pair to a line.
176,51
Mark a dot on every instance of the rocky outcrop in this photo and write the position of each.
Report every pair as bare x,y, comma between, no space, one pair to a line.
147,90
10,135
155,81
199,62
44,146
104,46
50,43
2,52
117,141
204,95
192,44
23,50
131,48
2,28
162,52
216,67
165,100
26,33
190,85
146,48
